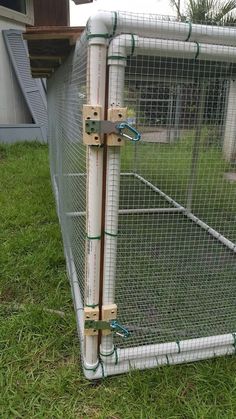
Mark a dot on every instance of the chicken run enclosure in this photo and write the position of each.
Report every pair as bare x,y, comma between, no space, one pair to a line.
142,127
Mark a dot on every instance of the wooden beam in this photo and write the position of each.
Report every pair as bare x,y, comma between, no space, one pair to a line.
42,70
47,36
47,57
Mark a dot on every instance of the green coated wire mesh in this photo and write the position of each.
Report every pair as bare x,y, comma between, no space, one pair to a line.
175,259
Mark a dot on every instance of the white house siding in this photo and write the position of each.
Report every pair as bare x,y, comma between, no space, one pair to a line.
13,109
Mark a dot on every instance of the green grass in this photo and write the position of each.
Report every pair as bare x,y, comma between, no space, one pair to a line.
40,370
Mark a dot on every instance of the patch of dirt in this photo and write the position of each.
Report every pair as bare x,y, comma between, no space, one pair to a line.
7,295
3,154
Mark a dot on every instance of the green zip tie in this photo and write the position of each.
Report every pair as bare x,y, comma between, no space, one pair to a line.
234,344
92,305
110,234
94,369
133,44
98,35
94,238
189,31
102,366
114,24
116,57
177,343
112,353
168,362
198,51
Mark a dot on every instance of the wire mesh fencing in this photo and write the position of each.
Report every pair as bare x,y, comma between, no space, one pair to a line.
163,208
66,96
181,277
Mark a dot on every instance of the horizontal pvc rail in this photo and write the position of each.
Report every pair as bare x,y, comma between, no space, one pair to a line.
169,348
172,359
125,364
130,211
104,25
77,300
125,45
191,216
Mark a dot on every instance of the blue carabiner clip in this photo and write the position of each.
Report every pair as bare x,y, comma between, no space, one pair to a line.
118,329
125,126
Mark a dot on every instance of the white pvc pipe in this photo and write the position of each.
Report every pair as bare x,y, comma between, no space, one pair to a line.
191,216
123,45
160,360
172,359
77,300
115,23
160,192
229,144
116,92
187,345
128,211
96,96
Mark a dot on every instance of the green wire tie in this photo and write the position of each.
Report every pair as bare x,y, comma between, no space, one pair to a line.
198,50
234,344
133,44
116,57
102,366
110,234
114,24
177,343
94,369
92,305
111,353
94,237
97,35
189,31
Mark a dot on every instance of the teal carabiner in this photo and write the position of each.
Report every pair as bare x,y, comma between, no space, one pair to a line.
118,329
125,126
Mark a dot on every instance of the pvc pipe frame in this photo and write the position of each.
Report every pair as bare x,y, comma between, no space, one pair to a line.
105,25
96,96
191,216
124,45
77,300
110,24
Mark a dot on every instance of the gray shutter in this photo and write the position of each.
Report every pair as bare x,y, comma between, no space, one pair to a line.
32,89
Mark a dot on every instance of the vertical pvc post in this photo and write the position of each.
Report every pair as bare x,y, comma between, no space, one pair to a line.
196,147
229,144
96,96
177,112
116,99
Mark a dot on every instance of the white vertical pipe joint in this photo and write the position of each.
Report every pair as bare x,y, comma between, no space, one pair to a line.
229,144
115,99
96,96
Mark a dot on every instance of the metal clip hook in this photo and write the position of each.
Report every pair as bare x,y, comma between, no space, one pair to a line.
118,329
125,126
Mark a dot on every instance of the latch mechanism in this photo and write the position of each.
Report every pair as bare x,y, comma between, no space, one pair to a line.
116,127
122,129
112,326
107,325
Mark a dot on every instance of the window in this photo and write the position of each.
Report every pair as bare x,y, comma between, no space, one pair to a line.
18,10
17,5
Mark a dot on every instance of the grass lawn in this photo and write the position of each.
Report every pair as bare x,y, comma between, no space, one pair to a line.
40,375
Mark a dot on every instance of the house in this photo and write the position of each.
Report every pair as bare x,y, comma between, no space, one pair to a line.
18,112
14,14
